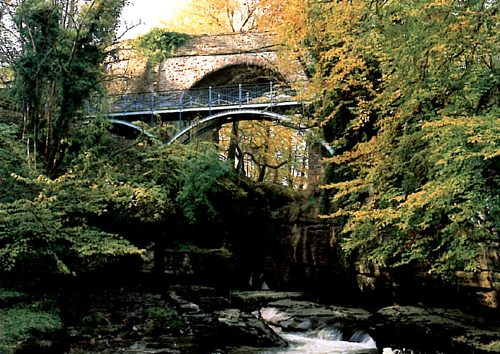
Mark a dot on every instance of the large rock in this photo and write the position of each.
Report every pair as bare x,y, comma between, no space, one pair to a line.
255,300
239,328
435,330
217,328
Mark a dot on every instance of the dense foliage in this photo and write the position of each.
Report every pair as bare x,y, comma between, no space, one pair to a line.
213,16
158,44
22,320
409,99
56,50
73,224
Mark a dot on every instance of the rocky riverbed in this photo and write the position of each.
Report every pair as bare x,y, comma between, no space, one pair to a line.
195,319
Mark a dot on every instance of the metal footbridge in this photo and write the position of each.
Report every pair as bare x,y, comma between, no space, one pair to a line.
213,106
197,100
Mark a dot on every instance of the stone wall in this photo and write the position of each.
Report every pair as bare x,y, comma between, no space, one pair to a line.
228,43
316,168
184,72
199,56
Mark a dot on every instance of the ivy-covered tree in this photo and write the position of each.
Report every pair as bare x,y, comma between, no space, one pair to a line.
411,88
62,46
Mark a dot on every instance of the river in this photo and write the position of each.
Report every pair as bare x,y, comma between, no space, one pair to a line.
325,340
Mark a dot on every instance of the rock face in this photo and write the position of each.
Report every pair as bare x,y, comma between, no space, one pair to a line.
238,328
303,316
183,319
306,259
414,285
309,256
429,330
435,330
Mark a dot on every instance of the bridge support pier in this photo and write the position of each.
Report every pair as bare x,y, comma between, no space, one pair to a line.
316,153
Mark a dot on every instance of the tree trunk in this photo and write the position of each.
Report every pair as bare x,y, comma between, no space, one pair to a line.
233,143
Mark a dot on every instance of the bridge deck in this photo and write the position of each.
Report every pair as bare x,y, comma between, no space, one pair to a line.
203,99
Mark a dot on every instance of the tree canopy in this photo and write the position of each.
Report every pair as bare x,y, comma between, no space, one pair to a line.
212,16
56,51
407,94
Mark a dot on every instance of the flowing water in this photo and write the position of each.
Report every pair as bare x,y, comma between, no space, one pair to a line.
319,341
327,341
316,342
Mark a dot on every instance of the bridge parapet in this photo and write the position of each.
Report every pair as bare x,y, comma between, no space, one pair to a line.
228,43
263,95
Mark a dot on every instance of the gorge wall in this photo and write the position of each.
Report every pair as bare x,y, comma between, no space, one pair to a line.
304,255
314,259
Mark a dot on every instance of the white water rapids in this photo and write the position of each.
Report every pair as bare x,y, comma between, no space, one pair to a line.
319,341
325,342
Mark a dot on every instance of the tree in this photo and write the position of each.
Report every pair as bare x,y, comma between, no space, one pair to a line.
59,64
266,152
211,16
412,87
45,224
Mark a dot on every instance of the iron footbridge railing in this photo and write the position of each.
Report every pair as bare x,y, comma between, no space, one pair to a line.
206,98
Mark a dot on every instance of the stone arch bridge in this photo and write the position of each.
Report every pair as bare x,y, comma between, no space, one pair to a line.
209,75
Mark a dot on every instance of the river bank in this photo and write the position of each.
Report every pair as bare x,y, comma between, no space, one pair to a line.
197,319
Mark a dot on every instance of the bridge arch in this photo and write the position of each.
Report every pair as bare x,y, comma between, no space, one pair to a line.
244,72
132,130
217,120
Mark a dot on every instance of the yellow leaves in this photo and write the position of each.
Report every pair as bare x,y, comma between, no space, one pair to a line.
353,185
438,3
479,138
399,199
214,16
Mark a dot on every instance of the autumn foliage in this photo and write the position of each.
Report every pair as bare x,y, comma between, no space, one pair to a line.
407,94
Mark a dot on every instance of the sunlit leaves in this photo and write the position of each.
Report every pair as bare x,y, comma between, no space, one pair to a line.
269,152
215,16
425,186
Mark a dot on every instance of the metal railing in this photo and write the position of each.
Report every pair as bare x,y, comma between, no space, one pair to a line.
195,98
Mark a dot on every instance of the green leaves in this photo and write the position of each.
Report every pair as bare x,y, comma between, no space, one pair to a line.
420,83
159,44
59,67
50,233
203,178
18,324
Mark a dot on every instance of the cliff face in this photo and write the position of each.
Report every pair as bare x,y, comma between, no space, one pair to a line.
310,258
289,248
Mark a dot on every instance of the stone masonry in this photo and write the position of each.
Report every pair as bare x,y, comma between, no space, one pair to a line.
198,57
